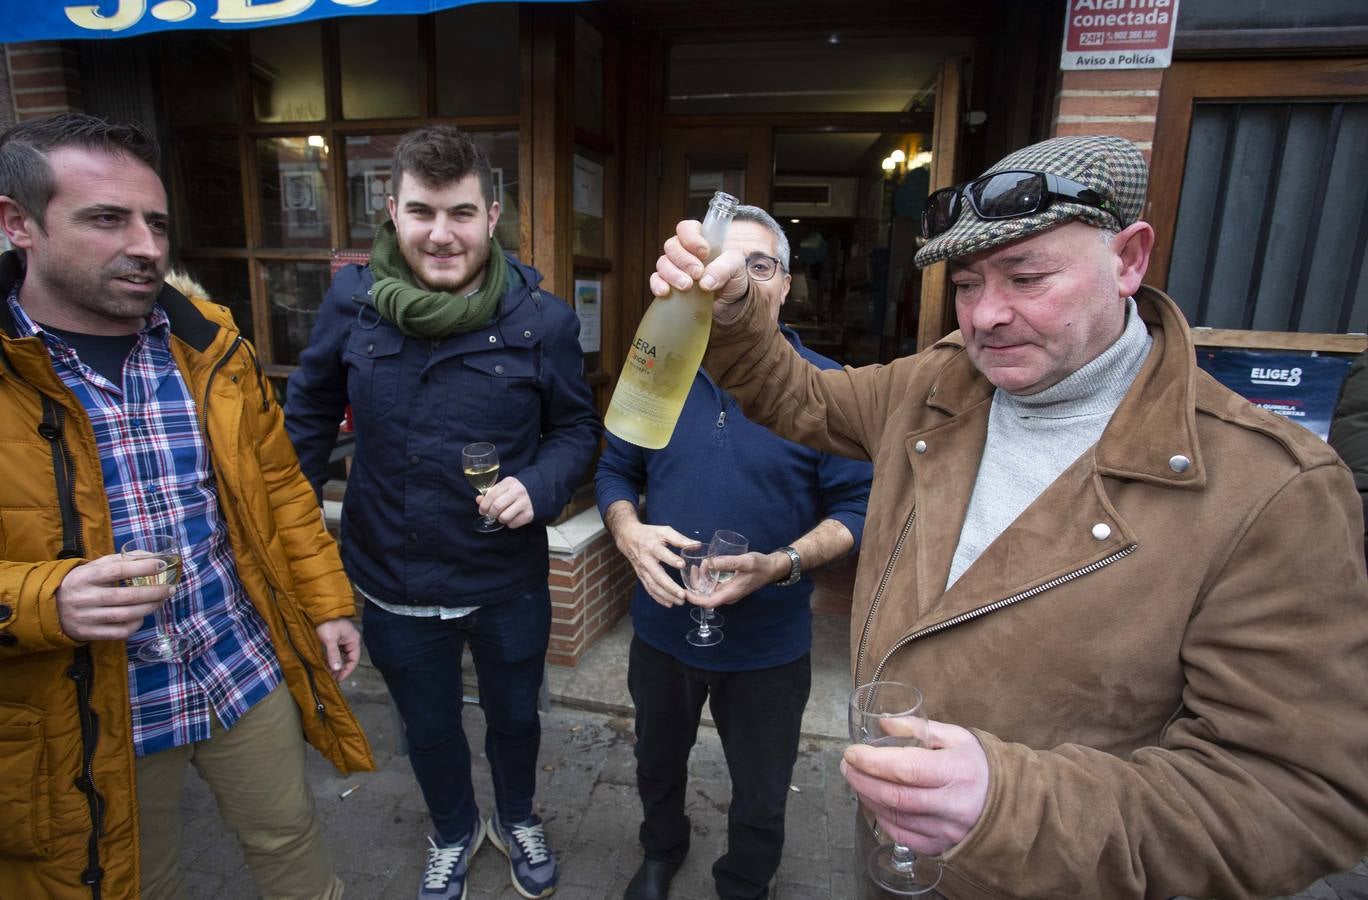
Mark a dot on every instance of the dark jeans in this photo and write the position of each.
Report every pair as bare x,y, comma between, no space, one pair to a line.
759,715
420,659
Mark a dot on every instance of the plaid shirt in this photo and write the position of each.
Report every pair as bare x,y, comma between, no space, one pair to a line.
158,477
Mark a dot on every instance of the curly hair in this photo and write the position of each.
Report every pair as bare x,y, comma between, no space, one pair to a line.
440,154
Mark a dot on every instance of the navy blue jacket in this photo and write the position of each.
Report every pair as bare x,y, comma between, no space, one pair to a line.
408,515
720,470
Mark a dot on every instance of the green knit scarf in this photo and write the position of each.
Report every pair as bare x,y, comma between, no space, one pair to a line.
431,314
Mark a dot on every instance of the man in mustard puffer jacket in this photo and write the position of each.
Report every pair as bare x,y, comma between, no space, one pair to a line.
127,410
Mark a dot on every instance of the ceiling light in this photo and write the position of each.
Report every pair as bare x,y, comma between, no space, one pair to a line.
898,156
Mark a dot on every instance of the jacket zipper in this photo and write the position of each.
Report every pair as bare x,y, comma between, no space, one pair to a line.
878,595
999,604
82,670
209,385
319,708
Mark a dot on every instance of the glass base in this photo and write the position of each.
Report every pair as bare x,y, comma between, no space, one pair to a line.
907,878
164,648
485,525
715,620
700,638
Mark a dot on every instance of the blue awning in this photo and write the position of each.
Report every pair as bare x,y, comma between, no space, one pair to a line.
46,20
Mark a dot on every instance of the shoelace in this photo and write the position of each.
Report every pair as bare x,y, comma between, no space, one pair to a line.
441,861
532,840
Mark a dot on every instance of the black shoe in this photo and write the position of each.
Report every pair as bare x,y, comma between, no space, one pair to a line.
651,881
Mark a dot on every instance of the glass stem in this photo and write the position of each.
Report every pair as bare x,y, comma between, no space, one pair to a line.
904,858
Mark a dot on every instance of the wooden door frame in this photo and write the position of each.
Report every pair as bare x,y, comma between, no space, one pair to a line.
754,142
1187,83
937,317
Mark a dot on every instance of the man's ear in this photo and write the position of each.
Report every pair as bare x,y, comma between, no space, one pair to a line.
494,210
393,208
1132,247
17,224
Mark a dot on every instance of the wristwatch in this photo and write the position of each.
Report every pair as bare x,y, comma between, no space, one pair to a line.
795,567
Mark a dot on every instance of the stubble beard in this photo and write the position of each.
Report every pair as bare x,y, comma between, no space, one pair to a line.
477,258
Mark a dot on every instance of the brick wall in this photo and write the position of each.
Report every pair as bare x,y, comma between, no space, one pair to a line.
44,79
591,587
1121,102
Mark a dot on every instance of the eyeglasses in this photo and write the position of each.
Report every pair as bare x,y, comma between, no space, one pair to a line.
1007,195
762,267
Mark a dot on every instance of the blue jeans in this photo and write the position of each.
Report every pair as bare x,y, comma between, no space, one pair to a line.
420,659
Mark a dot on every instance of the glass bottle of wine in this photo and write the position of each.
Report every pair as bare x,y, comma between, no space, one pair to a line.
666,350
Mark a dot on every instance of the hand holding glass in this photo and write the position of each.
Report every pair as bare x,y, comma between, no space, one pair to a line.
167,645
700,578
480,462
892,714
724,543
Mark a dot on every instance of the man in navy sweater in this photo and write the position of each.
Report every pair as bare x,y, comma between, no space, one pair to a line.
799,509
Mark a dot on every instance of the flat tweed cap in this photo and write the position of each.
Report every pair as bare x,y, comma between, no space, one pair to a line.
1112,166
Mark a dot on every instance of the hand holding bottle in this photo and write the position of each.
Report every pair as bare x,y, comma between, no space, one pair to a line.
684,261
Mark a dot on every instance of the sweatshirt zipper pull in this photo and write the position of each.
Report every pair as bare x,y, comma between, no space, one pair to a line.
722,418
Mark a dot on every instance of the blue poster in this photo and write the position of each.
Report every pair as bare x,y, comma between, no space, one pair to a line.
1299,386
47,20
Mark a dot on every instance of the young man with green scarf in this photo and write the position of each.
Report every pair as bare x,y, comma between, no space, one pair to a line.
444,340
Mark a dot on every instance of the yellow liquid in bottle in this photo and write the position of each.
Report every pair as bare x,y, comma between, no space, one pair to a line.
667,349
660,368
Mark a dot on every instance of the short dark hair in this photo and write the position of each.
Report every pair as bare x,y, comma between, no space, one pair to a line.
440,154
25,175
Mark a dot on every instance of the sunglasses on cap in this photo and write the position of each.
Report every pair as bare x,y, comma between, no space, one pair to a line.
1006,195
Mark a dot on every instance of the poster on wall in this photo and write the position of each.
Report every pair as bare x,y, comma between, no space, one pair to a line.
588,300
1118,34
1297,386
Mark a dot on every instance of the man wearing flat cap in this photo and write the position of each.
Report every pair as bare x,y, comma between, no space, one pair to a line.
1139,598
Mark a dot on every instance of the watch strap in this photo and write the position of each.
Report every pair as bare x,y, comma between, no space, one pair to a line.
795,567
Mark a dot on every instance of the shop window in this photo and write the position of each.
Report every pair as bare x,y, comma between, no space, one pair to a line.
199,78
1271,218
227,283
380,67
295,203
209,178
477,60
294,291
286,66
1266,246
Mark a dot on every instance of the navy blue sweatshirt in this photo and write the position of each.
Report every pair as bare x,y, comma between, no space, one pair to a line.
721,470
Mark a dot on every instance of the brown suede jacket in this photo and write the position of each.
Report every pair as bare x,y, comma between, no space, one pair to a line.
1165,656
68,810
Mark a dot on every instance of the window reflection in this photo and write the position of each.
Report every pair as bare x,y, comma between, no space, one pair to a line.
294,292
380,67
228,284
199,79
295,203
477,60
286,64
210,176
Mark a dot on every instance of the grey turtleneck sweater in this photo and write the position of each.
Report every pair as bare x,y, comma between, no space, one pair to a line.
1033,439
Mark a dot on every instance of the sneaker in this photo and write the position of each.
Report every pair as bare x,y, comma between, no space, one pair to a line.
444,878
531,866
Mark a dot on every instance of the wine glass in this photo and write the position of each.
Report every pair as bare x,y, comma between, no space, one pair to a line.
701,578
723,543
480,462
892,714
167,645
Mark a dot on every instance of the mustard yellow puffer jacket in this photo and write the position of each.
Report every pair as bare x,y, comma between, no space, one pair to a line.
68,816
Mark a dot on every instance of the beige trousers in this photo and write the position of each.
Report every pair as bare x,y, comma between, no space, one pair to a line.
256,771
